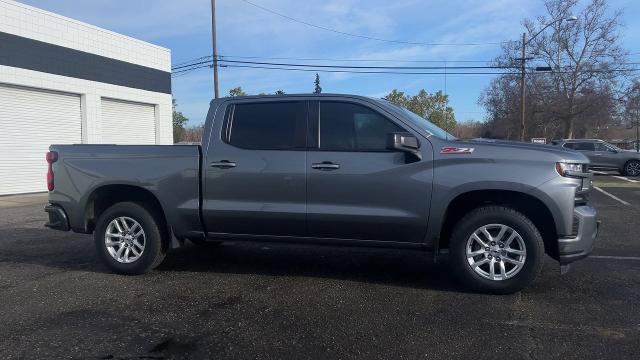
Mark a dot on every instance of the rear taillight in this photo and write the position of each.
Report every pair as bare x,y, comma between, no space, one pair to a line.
52,157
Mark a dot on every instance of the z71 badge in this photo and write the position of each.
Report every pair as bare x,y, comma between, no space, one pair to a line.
455,150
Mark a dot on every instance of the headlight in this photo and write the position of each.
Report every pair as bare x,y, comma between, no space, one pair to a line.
566,169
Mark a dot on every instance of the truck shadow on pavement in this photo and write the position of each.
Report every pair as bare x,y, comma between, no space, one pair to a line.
75,252
370,265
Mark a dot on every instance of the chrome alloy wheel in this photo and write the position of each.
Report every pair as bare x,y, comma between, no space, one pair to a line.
633,168
496,252
124,239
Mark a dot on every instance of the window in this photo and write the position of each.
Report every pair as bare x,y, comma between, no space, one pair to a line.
418,120
601,147
345,126
268,126
606,147
581,146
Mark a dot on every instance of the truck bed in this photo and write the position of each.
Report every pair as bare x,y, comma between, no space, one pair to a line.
168,172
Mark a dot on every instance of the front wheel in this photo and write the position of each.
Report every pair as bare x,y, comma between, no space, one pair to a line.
128,239
632,168
496,249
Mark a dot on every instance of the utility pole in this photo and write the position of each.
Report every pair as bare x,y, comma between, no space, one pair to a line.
522,85
637,131
215,50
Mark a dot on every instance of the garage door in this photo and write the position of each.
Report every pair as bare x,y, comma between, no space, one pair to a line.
126,122
30,121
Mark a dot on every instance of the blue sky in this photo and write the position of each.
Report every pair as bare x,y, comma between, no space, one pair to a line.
184,26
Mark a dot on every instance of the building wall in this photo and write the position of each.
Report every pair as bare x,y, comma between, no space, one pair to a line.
126,57
38,24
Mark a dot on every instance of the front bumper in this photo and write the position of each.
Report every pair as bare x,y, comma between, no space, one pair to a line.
57,218
572,248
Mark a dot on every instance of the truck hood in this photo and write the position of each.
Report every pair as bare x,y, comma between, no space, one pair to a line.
511,149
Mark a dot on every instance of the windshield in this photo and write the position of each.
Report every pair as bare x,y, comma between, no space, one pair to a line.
419,121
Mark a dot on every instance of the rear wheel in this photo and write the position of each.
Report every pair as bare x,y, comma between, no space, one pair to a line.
496,249
128,239
632,168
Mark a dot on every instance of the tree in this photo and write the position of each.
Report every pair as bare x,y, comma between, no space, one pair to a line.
193,133
179,121
398,97
632,111
237,91
279,92
317,88
469,129
583,55
434,107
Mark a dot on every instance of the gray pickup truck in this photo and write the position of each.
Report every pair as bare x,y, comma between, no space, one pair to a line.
330,169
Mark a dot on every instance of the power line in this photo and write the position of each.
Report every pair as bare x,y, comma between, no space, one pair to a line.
374,69
186,71
366,67
204,59
194,64
366,36
345,66
353,60
201,60
364,71
192,60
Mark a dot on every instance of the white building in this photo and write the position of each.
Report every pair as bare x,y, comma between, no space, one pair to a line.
66,82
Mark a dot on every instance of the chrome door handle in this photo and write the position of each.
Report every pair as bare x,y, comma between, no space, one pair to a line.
223,164
325,165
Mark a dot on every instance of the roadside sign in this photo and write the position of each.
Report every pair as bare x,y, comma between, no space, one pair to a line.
539,140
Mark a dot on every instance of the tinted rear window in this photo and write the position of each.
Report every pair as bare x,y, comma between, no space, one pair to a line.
268,126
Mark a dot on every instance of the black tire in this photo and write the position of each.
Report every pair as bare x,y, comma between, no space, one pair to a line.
486,215
153,252
628,171
205,243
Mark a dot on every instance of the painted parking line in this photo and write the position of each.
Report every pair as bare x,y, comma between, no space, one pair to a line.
608,257
624,178
614,176
612,196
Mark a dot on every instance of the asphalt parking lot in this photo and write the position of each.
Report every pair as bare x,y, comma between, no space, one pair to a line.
272,301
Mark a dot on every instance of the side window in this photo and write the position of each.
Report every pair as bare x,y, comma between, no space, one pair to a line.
584,146
352,127
603,147
268,126
570,145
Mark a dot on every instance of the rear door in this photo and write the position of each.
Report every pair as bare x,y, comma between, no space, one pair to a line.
357,189
254,181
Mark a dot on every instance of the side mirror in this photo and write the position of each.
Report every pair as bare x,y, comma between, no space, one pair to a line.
404,142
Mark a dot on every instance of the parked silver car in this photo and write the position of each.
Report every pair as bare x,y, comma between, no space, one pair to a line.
604,155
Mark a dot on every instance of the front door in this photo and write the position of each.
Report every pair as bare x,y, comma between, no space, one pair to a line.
588,148
608,156
255,170
357,189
